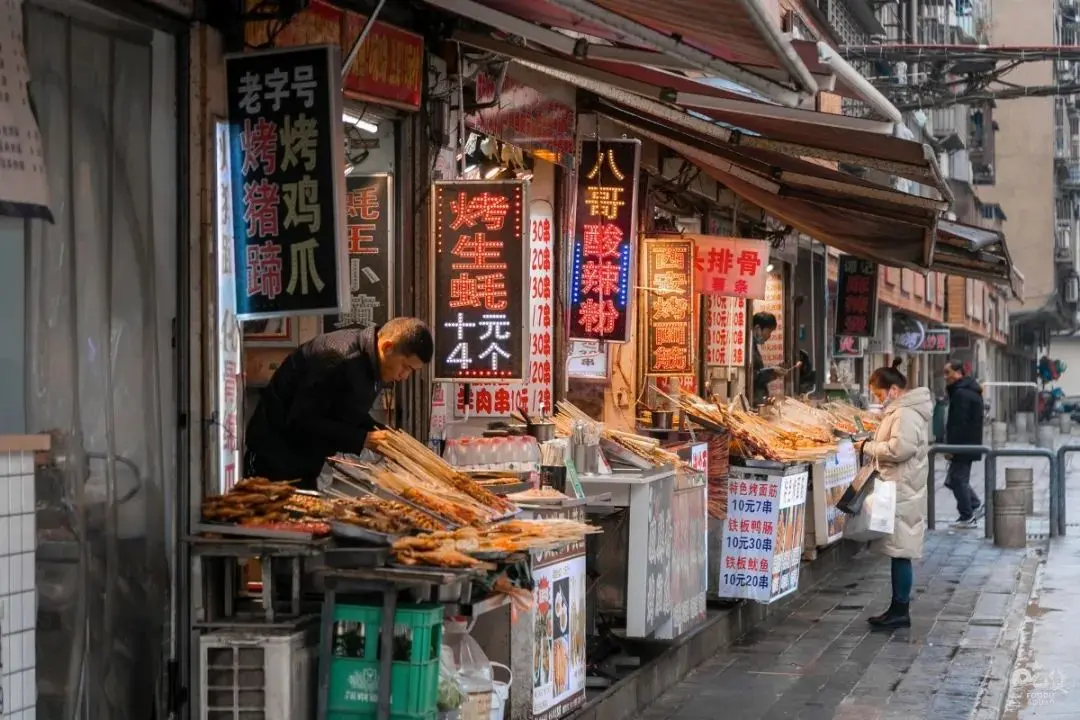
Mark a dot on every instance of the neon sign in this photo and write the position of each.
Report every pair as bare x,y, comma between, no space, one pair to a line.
479,279
668,308
604,235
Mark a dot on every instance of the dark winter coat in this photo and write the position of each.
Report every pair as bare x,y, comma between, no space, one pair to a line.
964,425
316,405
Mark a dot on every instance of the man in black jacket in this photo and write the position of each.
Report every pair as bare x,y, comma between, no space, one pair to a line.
964,426
318,402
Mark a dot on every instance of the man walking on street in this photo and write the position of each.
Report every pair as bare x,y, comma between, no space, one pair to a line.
964,426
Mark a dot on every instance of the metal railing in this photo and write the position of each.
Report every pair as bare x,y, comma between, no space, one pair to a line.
990,456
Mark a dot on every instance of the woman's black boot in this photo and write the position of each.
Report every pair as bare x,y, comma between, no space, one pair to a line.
896,617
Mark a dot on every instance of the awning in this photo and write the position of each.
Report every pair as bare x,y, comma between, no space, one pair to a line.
757,126
735,39
975,252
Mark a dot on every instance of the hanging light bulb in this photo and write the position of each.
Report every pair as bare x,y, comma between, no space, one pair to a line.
769,267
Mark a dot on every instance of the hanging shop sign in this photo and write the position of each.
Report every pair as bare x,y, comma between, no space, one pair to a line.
228,327
605,235
730,266
559,618
389,68
527,118
937,342
856,297
908,333
668,312
534,392
846,346
588,361
479,280
772,352
763,533
369,224
24,187
725,331
285,139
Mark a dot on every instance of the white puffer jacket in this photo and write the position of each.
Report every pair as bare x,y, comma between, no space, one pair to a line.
900,446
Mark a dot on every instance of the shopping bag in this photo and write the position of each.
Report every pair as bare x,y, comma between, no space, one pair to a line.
877,517
851,502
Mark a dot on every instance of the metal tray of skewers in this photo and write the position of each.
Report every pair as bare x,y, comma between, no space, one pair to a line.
347,531
357,486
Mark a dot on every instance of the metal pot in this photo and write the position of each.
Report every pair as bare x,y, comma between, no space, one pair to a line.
661,419
542,431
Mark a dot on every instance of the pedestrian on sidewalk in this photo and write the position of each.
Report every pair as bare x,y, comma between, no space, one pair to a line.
964,426
899,449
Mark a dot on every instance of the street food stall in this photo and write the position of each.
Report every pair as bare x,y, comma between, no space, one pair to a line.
416,539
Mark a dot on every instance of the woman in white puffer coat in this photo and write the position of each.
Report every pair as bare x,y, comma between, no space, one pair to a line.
899,448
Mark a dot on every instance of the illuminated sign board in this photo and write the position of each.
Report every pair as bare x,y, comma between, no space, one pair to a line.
479,276
668,310
604,241
856,297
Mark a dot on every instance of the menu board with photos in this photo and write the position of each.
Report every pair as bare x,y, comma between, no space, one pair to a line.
24,187
369,223
725,339
605,236
763,533
856,297
479,279
287,181
559,627
668,312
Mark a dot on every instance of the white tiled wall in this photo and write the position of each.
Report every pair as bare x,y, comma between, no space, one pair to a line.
18,601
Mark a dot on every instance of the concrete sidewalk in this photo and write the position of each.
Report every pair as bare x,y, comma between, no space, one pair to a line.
1045,682
820,661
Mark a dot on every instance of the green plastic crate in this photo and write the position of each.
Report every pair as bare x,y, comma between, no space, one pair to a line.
417,633
354,664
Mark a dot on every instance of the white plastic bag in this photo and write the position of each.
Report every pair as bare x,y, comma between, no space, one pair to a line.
877,517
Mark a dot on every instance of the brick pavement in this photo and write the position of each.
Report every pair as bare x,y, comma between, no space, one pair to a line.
818,660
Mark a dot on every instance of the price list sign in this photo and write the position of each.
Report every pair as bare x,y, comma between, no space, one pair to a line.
725,344
667,275
369,226
479,275
287,182
856,297
534,392
763,534
604,240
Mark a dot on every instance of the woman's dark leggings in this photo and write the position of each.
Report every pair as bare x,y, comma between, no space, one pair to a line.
903,577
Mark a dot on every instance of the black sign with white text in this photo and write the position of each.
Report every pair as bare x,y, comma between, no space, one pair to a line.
369,223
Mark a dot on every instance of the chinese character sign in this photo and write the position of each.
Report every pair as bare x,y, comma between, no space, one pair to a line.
479,275
730,266
772,352
856,297
534,392
369,227
228,327
287,177
937,342
725,328
846,346
668,312
604,240
763,534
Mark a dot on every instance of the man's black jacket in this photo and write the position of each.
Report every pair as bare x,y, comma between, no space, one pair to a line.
316,405
964,425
